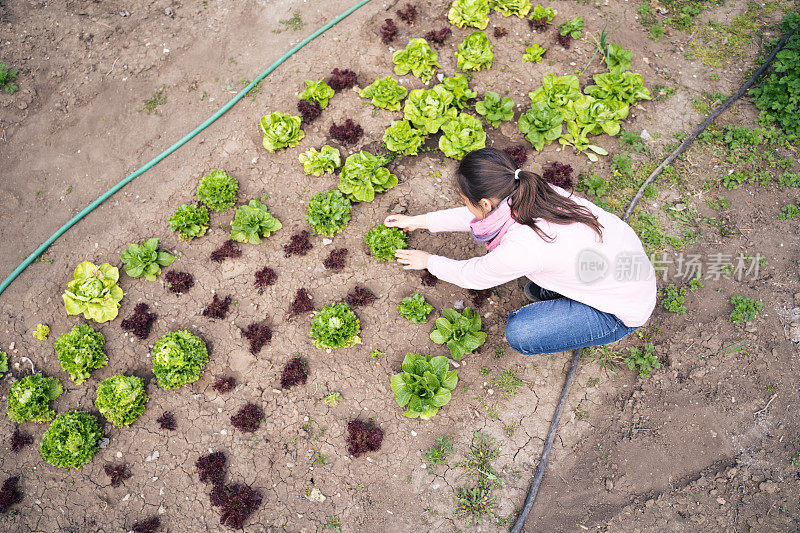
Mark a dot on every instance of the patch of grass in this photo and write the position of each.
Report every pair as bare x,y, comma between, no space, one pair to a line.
719,203
333,523
439,452
482,453
649,229
7,78
595,185
609,361
744,309
510,428
632,140
152,103
657,31
499,353
662,93
507,383
673,300
475,503
295,23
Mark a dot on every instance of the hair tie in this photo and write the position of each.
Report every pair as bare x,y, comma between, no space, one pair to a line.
516,174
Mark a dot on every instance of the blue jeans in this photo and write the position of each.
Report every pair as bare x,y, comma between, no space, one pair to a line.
560,325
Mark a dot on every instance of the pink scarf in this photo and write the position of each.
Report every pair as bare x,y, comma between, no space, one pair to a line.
491,229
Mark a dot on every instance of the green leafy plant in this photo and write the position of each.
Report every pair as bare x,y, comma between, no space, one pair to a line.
417,58
332,399
328,212
744,309
317,91
464,13
624,86
80,352
327,160
190,221
507,8
541,124
578,138
617,57
673,299
385,93
696,283
281,130
557,92
415,308
598,116
507,383
402,138
595,185
534,53
3,363
461,332
94,292
29,399
475,52
218,191
429,109
145,260
458,86
461,136
572,28
643,360
384,241
72,439
439,452
363,175
41,332
495,109
253,222
547,14
335,326
7,77
179,357
424,385
121,399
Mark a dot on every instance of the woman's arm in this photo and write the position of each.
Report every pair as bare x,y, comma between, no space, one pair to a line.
457,219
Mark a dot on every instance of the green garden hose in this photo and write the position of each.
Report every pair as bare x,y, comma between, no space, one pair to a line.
91,207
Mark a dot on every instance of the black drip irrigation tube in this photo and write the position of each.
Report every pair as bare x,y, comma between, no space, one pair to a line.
576,354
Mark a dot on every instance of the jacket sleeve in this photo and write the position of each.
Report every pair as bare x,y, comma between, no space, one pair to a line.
456,219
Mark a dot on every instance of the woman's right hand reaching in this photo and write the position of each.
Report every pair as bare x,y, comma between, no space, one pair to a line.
406,222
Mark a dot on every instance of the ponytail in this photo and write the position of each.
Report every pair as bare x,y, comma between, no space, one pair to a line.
491,173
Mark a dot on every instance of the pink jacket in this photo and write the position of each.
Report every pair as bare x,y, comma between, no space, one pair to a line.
613,275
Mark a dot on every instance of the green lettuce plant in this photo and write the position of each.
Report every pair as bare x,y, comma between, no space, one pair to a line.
385,93
473,13
190,221
328,212
80,352
41,332
3,363
461,136
542,13
218,191
507,8
402,138
541,124
384,241
578,139
281,130
424,385
145,260
94,292
327,160
29,399
475,52
624,86
534,53
495,109
461,332
121,399
427,110
363,175
599,116
415,308
179,357
253,222
317,91
572,28
617,57
72,439
417,58
557,92
458,86
335,326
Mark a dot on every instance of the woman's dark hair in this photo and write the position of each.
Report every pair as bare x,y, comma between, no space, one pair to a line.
489,173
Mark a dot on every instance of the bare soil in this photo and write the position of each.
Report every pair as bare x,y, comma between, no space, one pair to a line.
703,444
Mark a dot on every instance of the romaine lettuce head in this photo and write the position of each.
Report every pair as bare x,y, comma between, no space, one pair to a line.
417,58
475,52
495,109
557,92
461,136
461,332
328,212
424,385
363,175
458,85
625,86
253,222
145,260
599,116
190,221
80,352
541,124
427,110
317,91
507,8
316,163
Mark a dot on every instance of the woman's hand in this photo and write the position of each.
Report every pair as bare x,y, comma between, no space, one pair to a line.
406,222
412,259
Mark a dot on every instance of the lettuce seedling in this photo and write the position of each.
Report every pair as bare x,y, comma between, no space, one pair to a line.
408,14
534,53
117,474
479,296
438,36
618,58
388,31
461,136
149,525
335,326
342,79
627,87
317,91
3,363
218,308
427,110
229,249
179,357
572,28
71,440
363,437
464,13
518,154
744,309
402,138
335,259
179,282
327,160
461,332
41,332
29,399
495,109
121,399
556,92
140,322
384,241
80,352
363,175
360,296
19,440
301,303
328,212
248,418
309,111
259,336
94,292
347,133
167,421
253,222
299,244
578,138
415,308
428,279
598,116
540,17
385,93
558,174
9,494
190,221
500,32
145,260
281,130
264,278
541,125
236,502
295,372
418,58
218,191
424,385
223,385
458,86
507,8
212,467
475,52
